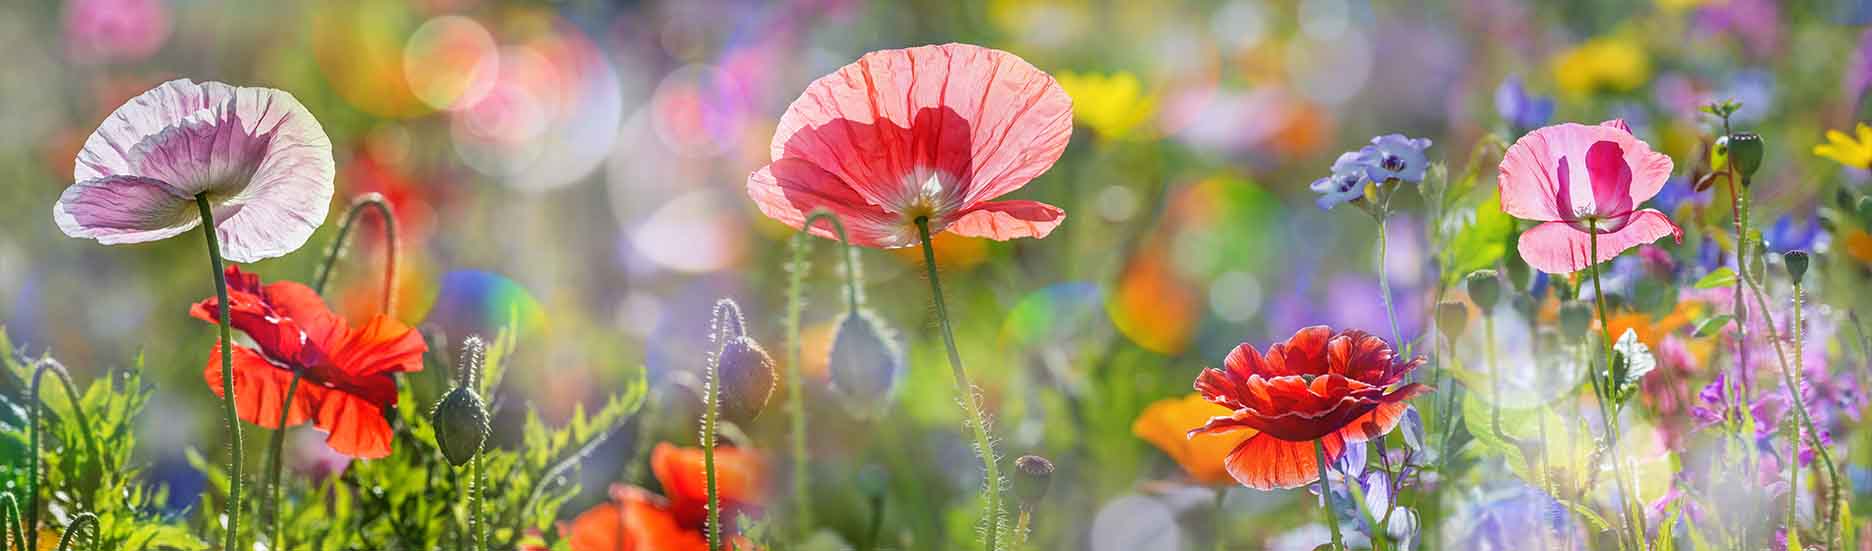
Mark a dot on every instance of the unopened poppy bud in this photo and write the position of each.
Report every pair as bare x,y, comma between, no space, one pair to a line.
1796,265
864,361
746,376
1575,319
1745,150
461,425
1032,475
1484,289
1452,318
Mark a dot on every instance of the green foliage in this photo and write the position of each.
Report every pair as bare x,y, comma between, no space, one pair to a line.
107,484
1631,361
1717,279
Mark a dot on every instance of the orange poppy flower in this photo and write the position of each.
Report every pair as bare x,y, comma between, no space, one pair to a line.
1333,388
1164,424
636,520
346,373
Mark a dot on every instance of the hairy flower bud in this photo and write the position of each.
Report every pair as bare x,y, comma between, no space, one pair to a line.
1032,475
1745,150
865,360
746,375
461,425
1484,289
1796,264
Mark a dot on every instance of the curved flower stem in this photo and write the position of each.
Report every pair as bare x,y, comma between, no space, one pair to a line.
78,525
275,463
1792,376
711,396
984,446
15,537
227,372
1384,284
1631,516
34,465
1332,518
796,396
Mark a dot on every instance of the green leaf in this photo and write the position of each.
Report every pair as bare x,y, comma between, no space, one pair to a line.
1722,277
1481,243
1713,325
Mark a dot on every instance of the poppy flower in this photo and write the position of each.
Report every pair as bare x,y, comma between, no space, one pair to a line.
636,520
932,132
1164,424
1333,388
345,383
262,161
1579,180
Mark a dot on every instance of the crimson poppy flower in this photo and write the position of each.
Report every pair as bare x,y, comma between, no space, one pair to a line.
1578,180
636,520
1333,388
930,132
345,382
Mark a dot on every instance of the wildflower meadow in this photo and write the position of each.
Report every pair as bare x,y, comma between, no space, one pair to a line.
998,275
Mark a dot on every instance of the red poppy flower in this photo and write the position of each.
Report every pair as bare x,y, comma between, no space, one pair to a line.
346,372
636,520
1316,386
929,132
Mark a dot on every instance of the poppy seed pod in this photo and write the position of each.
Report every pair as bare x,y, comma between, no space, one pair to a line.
1032,475
1745,150
1796,265
1575,318
461,425
1452,319
865,360
745,374
1485,289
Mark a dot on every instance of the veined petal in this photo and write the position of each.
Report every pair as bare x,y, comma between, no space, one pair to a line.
124,209
1560,248
789,190
354,426
1268,463
260,388
1004,220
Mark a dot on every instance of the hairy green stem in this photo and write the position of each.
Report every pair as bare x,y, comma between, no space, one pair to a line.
34,413
78,525
1332,517
1631,516
10,514
477,525
796,395
984,446
712,398
227,373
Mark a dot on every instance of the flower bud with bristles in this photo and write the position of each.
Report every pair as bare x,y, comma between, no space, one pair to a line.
460,418
1796,265
744,373
865,360
1032,476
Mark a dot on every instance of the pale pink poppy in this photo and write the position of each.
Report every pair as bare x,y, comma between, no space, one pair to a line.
262,161
931,132
1580,179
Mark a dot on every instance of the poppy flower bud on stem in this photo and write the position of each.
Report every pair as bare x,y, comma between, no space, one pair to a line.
1745,151
743,373
1485,289
864,361
1452,318
1575,319
1796,265
1032,476
460,418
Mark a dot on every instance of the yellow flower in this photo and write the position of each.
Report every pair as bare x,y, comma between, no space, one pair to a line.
1856,153
1112,105
1602,64
1680,5
1166,423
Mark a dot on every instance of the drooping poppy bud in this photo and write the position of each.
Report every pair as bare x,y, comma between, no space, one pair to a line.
1745,150
1452,319
1485,289
744,372
460,418
865,360
1575,319
1796,265
1032,476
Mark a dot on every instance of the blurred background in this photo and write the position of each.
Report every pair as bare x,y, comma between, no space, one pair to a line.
578,167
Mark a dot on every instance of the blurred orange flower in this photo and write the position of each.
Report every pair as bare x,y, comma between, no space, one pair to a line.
637,520
1164,424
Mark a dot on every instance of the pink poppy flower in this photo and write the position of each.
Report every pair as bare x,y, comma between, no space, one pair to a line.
262,161
930,132
1580,179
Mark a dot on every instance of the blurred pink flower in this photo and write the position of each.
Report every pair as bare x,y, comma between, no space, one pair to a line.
115,30
262,161
928,132
1581,179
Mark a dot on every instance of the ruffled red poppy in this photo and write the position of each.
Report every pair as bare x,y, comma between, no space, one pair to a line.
636,520
931,132
346,372
1316,386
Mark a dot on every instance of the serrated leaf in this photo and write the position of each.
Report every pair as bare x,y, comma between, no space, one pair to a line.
1721,277
1713,325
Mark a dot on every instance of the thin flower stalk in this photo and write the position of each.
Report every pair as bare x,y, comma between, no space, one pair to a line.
78,525
235,462
1332,517
34,465
1629,510
965,391
796,399
15,536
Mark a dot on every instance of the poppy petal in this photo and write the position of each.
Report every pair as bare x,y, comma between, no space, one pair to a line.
738,482
634,520
381,346
354,426
1004,220
124,209
1560,248
790,189
260,388
1268,463
1383,418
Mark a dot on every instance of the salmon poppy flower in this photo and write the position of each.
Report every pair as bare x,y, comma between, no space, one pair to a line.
1580,180
932,132
637,520
258,157
1164,424
1333,388
345,383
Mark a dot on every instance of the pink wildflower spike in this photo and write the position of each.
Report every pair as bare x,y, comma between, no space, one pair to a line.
933,132
1579,179
263,162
